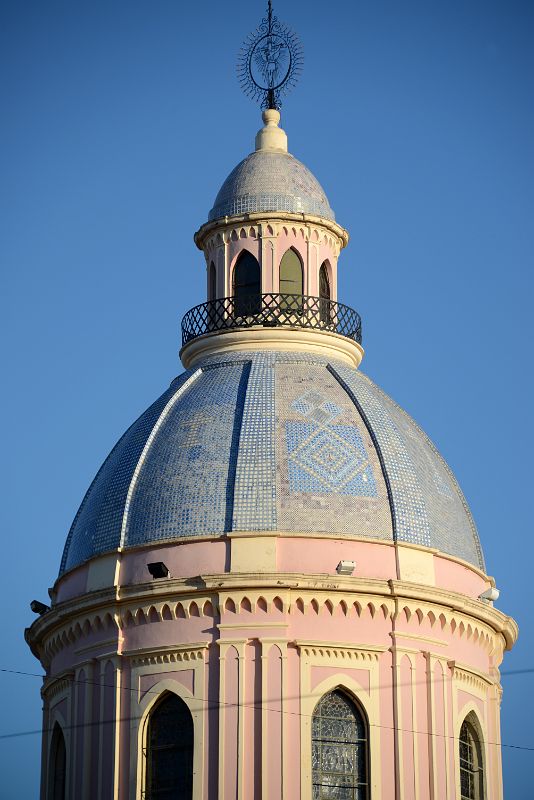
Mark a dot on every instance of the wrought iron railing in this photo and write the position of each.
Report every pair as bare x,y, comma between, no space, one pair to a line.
271,311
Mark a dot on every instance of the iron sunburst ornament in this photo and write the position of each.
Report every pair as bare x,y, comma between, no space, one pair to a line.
270,61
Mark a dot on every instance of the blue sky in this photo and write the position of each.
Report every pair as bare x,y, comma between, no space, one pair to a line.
120,120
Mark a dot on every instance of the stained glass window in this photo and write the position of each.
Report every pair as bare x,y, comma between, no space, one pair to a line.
471,774
169,751
339,750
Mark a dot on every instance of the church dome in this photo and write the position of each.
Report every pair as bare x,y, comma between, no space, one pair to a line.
273,441
271,179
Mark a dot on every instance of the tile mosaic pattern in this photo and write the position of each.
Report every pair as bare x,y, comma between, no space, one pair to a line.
266,181
186,484
428,505
329,474
254,505
273,441
325,458
96,526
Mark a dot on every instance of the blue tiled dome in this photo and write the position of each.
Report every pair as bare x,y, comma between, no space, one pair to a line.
265,441
271,181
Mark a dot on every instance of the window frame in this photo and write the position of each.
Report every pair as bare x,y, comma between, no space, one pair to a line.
141,712
472,726
359,710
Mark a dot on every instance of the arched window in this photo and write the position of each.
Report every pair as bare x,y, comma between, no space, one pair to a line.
471,768
339,749
169,751
212,282
324,294
58,765
291,277
247,285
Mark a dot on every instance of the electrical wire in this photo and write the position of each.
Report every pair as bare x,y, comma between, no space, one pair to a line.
260,707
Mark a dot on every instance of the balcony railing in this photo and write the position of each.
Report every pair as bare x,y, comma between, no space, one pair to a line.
271,311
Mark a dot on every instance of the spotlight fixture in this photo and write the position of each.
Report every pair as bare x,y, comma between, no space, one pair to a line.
158,569
490,594
39,608
346,567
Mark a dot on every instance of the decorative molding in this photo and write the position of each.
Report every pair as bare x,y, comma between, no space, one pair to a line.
167,654
306,226
470,677
342,651
52,687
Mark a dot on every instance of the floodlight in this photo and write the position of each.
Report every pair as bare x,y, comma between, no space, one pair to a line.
158,569
346,567
39,608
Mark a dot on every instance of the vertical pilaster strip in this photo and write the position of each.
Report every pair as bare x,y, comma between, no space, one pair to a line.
101,678
222,715
415,726
241,720
285,737
117,726
397,721
88,722
446,726
265,647
496,762
305,728
45,748
431,722
74,729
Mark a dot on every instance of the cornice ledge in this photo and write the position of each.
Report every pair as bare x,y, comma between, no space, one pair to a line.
322,581
268,217
500,622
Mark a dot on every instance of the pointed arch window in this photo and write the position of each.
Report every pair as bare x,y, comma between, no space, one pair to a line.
339,749
471,767
169,751
247,285
324,294
212,282
291,274
58,765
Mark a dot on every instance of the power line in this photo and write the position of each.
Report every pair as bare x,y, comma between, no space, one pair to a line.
260,707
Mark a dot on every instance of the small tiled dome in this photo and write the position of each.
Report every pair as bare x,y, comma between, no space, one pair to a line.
271,181
266,441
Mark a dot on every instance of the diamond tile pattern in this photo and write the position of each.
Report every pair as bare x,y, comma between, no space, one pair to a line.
267,441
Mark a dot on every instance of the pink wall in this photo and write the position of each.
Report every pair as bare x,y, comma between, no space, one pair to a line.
272,737
269,254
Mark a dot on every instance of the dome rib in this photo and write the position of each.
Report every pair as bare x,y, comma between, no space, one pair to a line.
131,489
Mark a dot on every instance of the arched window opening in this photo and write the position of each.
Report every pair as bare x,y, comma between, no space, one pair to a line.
247,285
339,749
291,275
212,282
471,768
169,751
324,294
58,765
291,281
